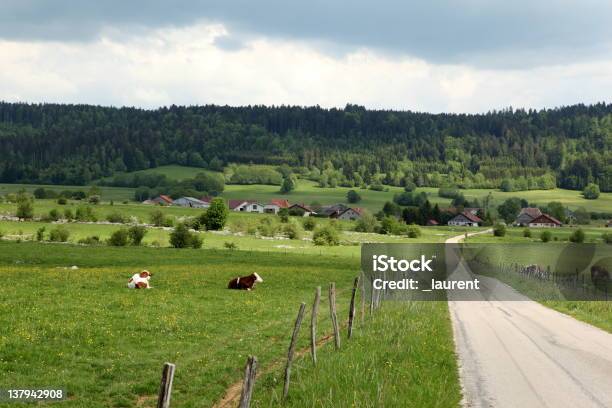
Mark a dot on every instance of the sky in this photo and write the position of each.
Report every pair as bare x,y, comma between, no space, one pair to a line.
436,55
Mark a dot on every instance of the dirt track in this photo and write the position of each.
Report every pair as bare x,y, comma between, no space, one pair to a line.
521,354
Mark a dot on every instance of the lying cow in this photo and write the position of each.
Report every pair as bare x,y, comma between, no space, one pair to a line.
140,280
245,282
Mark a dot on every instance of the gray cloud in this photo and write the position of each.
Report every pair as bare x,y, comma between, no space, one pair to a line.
491,33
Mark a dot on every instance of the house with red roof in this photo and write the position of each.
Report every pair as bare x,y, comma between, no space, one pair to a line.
527,215
162,200
275,205
465,219
545,221
301,209
251,206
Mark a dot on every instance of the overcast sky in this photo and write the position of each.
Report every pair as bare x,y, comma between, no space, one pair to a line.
430,55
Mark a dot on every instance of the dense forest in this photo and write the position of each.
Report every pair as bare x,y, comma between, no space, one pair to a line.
567,147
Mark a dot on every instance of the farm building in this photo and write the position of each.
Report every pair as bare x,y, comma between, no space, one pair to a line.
274,206
161,200
246,206
190,202
465,219
527,215
332,211
545,220
350,214
301,209
432,223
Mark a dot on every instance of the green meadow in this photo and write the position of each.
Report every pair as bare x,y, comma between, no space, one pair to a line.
84,331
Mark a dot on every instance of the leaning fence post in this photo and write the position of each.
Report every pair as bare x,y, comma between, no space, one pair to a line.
352,308
165,388
250,373
333,314
313,325
294,336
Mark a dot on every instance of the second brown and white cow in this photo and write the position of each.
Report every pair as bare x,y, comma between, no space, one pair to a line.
245,282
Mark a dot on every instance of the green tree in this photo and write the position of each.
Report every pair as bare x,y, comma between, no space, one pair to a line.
136,234
509,209
499,230
591,191
353,197
216,215
59,234
288,185
25,206
546,236
326,235
181,237
119,237
577,236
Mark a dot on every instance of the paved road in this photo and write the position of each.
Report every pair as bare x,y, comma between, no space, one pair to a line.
522,354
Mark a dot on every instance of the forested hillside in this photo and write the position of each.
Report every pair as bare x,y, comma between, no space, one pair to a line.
75,144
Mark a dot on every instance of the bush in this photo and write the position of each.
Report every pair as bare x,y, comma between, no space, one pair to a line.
309,223
366,223
527,233
94,199
119,237
54,215
85,214
577,236
215,217
545,236
413,231
93,240
267,227
68,215
283,214
62,201
59,234
499,230
353,197
181,237
117,217
230,245
292,230
607,237
326,235
157,218
136,234
409,186
591,191
40,234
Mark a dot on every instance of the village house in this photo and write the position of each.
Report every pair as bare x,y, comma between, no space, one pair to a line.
246,206
432,223
190,202
349,214
160,200
527,215
301,209
275,205
546,221
332,211
465,219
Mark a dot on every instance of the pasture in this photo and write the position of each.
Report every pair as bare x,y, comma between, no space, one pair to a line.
83,330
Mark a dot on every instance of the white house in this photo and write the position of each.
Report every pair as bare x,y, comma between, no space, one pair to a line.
190,202
275,205
246,206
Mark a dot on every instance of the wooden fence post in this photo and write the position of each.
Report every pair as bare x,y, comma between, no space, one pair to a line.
352,308
313,325
165,388
250,373
333,314
363,305
294,336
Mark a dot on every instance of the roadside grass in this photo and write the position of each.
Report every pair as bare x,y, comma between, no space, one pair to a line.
83,330
515,235
403,356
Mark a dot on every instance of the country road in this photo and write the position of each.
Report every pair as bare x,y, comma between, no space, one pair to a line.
521,354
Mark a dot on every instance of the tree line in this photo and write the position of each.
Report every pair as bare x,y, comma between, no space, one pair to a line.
567,147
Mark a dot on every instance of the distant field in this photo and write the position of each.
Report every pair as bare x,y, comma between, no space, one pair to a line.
173,172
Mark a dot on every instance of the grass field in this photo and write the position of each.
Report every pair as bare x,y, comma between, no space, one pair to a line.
81,329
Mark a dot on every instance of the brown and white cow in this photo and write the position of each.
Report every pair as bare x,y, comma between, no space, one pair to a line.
245,282
140,280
